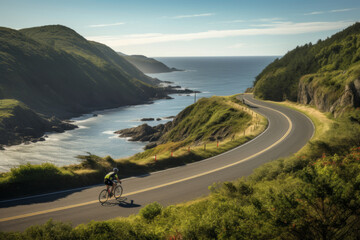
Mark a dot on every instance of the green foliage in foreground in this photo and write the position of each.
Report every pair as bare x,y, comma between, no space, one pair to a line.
280,79
320,201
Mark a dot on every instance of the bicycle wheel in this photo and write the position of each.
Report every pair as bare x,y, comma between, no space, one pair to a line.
103,196
118,191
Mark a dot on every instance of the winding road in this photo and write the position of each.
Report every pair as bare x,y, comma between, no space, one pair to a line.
288,132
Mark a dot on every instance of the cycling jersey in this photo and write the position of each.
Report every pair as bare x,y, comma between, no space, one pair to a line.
111,176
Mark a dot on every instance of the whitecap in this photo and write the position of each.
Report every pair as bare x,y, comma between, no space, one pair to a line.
109,132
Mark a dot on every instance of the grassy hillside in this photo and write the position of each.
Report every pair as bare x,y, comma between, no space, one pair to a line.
207,121
55,71
147,65
337,54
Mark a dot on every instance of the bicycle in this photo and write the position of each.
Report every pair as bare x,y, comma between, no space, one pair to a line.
104,194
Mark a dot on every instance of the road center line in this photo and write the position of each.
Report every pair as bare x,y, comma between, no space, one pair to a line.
165,184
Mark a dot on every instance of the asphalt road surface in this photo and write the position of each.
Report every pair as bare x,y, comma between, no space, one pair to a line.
288,132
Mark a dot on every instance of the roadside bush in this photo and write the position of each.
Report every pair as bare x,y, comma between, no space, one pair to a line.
29,172
151,211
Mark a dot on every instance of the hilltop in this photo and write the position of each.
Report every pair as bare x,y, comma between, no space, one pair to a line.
148,65
325,74
57,72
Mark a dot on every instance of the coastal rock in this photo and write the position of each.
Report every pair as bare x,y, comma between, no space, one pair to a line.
147,119
144,132
335,103
141,133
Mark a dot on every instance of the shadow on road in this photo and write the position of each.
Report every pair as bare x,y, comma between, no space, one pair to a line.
122,202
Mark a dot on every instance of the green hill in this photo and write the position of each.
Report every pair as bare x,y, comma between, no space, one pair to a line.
318,74
55,71
148,65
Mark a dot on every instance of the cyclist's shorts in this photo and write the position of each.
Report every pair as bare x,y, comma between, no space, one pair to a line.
108,182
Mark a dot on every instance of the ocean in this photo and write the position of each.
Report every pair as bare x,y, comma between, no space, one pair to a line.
220,76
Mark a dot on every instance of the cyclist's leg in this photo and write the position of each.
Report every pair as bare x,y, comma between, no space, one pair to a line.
113,187
108,183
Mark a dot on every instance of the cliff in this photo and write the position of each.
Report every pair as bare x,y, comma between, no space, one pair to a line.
325,74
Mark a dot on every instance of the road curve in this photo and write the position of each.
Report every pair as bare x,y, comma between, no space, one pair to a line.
288,132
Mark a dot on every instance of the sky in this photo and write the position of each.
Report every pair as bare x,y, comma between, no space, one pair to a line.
157,28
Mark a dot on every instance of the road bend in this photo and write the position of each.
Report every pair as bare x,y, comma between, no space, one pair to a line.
288,131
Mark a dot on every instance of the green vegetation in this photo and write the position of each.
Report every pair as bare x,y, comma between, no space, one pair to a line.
225,111
333,63
147,65
55,71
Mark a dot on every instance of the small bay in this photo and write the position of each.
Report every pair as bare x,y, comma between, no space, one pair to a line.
220,76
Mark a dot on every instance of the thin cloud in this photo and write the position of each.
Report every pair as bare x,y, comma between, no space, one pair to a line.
342,10
106,25
285,28
314,13
193,15
331,11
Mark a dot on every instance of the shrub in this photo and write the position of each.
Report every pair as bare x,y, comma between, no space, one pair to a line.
151,211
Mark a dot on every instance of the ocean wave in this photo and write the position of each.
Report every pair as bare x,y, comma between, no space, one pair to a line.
109,132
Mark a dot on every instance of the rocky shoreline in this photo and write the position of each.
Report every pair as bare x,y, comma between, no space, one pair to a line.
16,134
25,134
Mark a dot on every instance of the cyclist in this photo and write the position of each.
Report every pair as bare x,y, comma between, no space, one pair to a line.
109,178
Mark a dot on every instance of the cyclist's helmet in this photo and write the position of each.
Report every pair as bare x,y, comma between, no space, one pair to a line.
115,170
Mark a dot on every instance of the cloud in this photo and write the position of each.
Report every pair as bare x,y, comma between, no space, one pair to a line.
331,11
342,10
106,25
194,15
314,13
283,28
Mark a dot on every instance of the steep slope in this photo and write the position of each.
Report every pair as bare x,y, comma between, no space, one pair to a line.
57,72
320,74
148,65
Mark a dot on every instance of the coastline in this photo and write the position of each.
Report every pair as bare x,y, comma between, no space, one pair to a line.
62,125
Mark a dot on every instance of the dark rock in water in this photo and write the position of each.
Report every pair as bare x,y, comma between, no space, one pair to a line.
144,132
147,119
57,129
95,115
41,139
1,148
170,117
158,119
141,133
